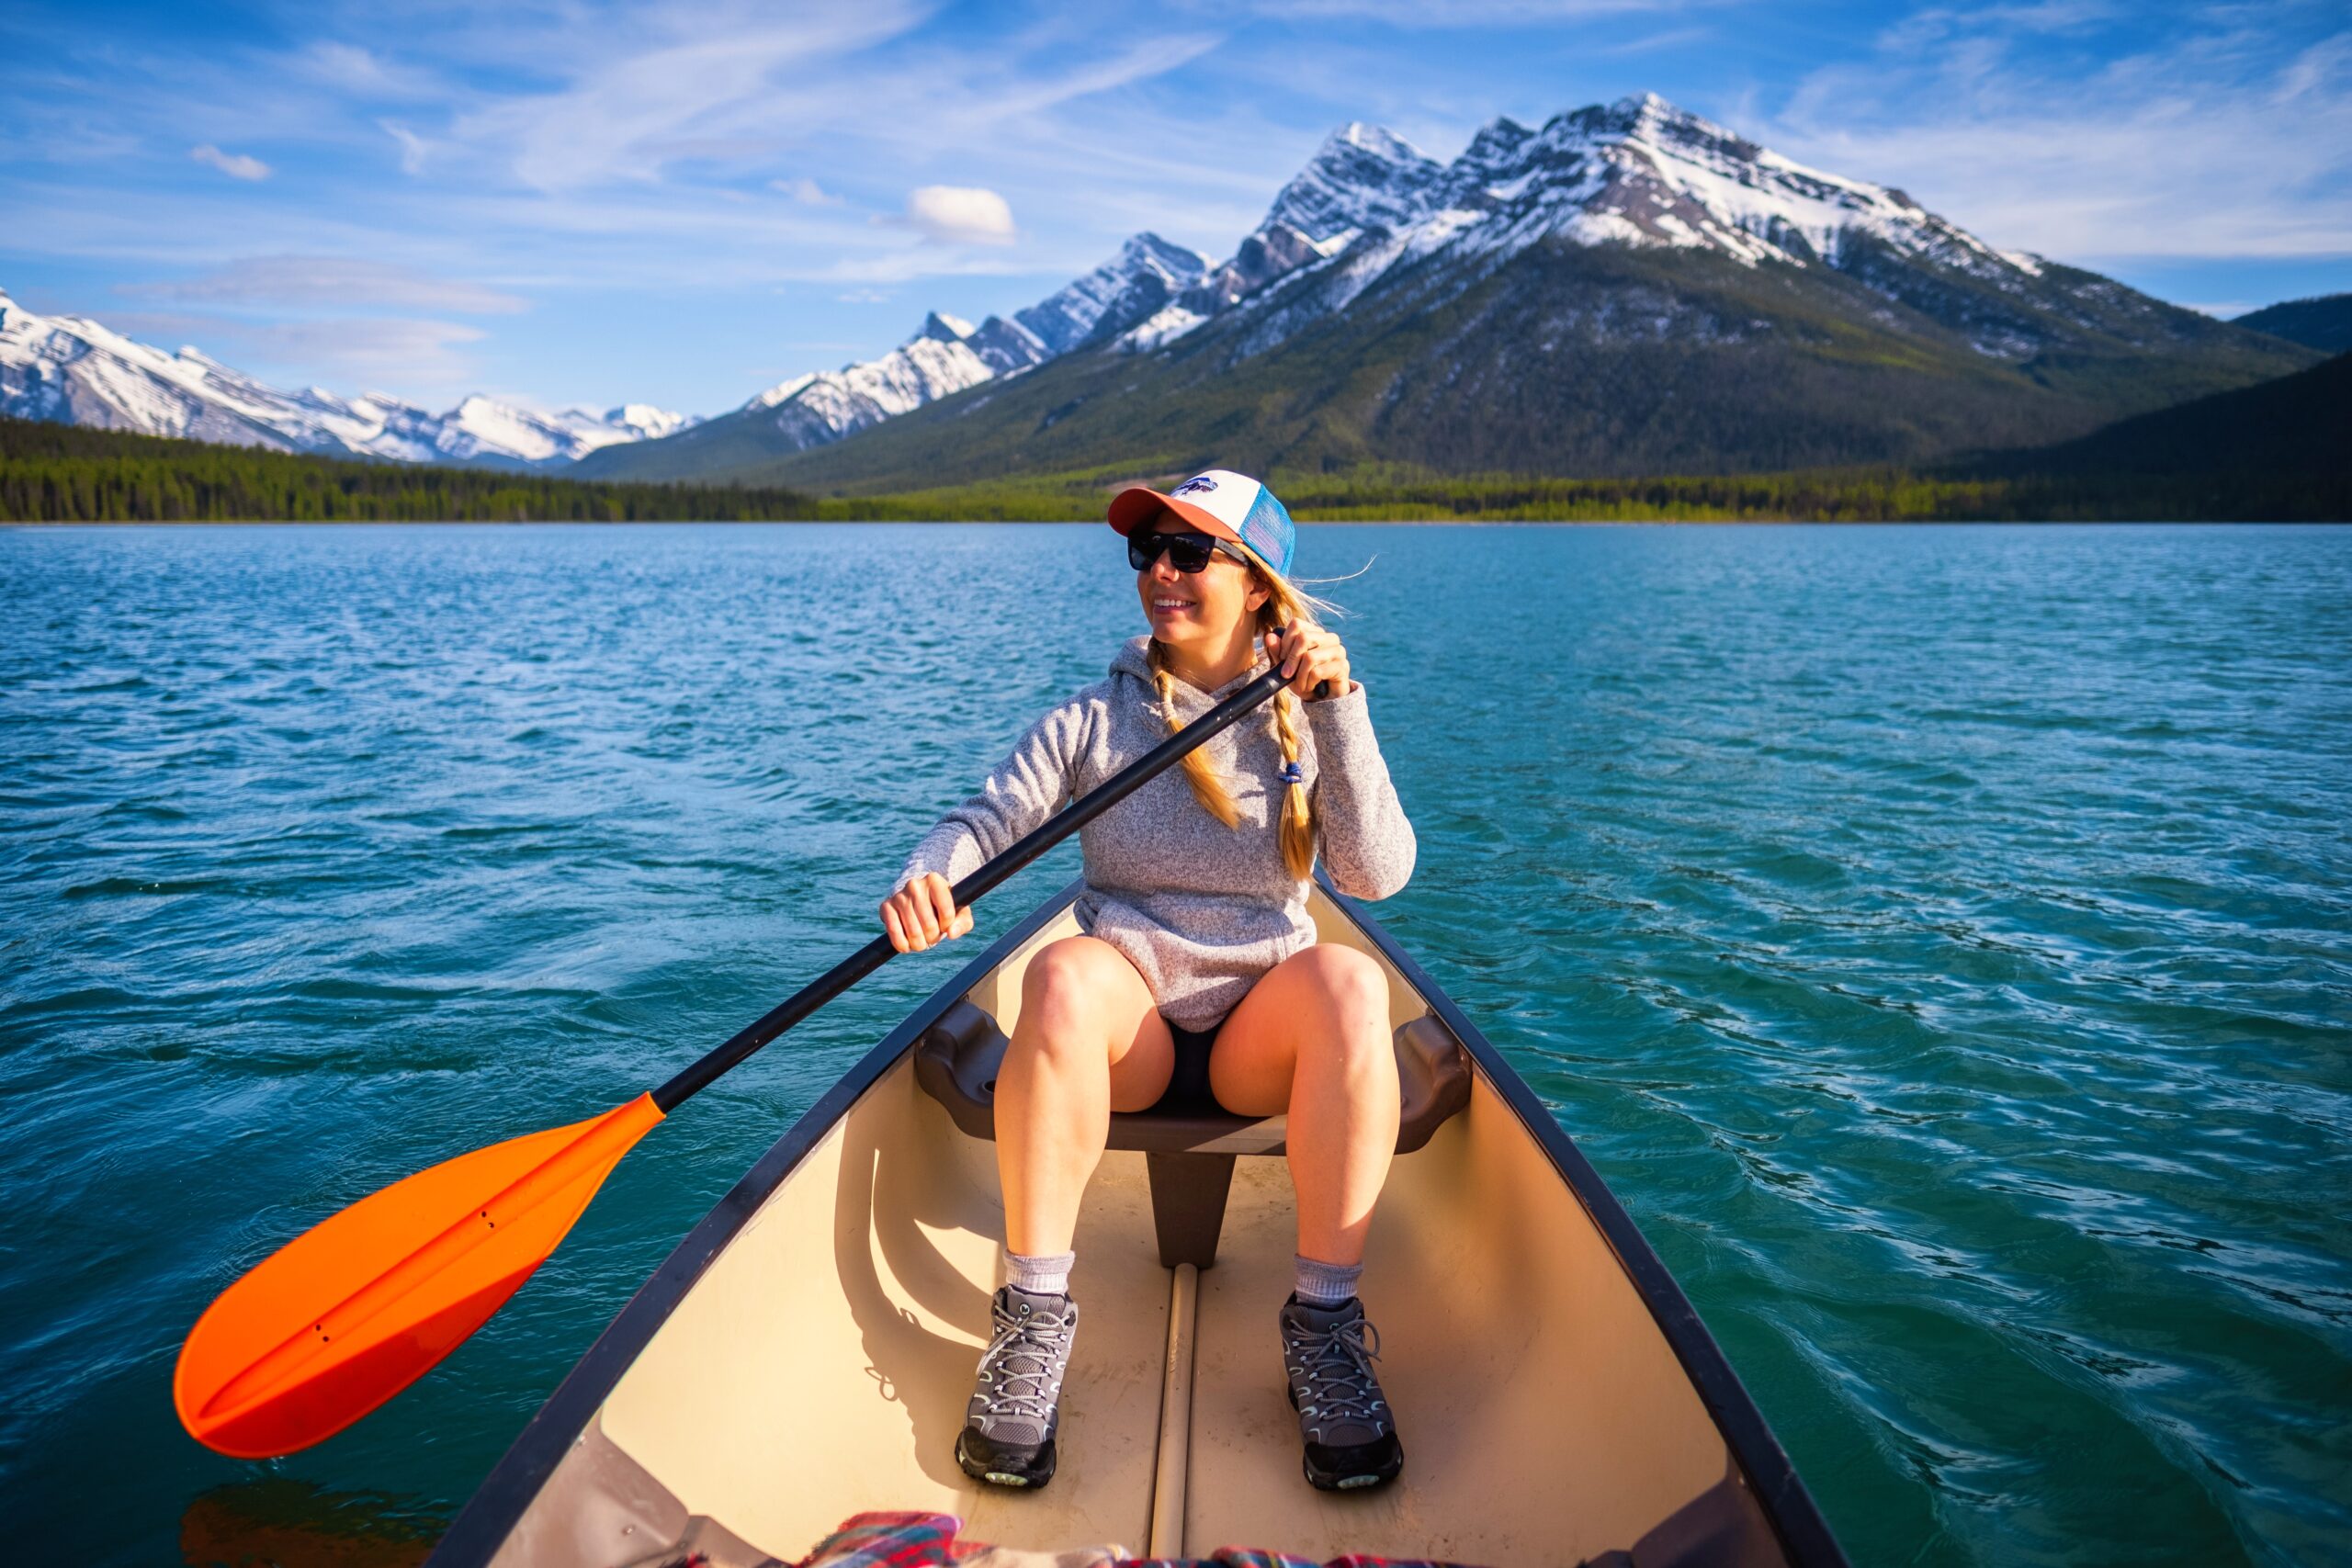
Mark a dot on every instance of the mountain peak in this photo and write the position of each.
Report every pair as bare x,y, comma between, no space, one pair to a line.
1376,140
1149,251
1363,176
941,327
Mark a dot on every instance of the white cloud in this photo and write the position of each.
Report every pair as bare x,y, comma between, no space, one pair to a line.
329,280
236,165
866,296
961,215
805,191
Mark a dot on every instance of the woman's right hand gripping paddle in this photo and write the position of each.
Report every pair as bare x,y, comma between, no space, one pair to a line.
923,912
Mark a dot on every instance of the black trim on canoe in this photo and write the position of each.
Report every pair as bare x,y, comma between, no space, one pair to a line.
491,1516
1803,1533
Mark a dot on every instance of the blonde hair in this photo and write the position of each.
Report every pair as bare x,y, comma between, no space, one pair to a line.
1285,602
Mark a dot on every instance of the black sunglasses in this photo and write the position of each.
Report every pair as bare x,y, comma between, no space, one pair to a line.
1185,552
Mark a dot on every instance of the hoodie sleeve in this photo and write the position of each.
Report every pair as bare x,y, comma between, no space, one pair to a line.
1366,844
1018,794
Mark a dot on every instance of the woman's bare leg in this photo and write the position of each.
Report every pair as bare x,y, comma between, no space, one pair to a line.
1089,1041
1312,1038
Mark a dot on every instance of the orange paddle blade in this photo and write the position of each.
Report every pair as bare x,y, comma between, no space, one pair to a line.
366,1302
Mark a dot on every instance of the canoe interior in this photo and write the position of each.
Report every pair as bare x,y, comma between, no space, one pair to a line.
820,1365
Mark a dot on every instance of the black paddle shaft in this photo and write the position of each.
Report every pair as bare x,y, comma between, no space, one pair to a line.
1035,843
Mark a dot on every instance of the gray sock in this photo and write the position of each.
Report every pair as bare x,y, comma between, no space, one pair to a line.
1324,1284
1043,1274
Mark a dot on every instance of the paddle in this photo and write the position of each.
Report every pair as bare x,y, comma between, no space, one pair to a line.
362,1305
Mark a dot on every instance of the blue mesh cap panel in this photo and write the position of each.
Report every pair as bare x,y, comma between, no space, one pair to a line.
1269,531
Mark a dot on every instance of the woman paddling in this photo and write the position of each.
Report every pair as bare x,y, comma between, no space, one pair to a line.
1198,979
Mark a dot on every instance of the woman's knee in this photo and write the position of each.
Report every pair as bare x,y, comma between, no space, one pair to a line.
1070,992
1353,989
1351,984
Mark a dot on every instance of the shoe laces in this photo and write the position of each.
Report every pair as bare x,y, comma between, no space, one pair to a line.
1336,1364
1019,1372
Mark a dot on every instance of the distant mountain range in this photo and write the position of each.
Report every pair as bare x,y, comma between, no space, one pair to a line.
73,370
1626,288
2324,323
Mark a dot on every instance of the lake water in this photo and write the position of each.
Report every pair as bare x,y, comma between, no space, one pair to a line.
1941,939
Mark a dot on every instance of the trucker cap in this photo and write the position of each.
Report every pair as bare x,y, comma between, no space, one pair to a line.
1220,502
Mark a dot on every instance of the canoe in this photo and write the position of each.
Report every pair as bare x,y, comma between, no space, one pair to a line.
807,1352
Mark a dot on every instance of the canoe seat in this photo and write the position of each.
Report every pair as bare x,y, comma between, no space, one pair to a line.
1189,1157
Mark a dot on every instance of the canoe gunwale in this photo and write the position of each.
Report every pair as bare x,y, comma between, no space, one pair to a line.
491,1515
1788,1507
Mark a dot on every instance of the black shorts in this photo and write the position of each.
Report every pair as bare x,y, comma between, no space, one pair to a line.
1188,1091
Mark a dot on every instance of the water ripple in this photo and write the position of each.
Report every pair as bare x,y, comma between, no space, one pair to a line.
1936,937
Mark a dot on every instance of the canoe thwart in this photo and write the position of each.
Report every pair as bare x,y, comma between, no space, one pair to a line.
1188,1155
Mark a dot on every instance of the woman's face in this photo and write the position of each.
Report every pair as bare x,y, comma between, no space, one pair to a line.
1198,610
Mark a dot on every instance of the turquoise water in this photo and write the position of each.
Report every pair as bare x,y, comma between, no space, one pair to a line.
1941,939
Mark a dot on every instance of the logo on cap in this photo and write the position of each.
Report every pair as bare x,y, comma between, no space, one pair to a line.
1203,484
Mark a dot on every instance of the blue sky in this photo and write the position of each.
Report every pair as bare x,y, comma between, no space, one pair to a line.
675,203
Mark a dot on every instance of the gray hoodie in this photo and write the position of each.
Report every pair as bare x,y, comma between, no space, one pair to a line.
1201,909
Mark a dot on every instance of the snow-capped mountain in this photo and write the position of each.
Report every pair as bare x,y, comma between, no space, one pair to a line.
946,354
1362,178
77,371
1146,274
1626,288
814,409
1639,172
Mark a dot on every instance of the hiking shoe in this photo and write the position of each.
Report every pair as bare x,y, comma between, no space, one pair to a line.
1008,1437
1343,1416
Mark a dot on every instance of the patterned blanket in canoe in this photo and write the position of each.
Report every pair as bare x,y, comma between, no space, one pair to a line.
928,1540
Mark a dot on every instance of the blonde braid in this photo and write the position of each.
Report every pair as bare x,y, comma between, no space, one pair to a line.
1296,833
1208,787
1284,605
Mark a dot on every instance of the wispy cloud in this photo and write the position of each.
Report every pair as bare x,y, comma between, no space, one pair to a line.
679,86
236,165
361,351
1432,14
2208,141
414,147
805,191
336,281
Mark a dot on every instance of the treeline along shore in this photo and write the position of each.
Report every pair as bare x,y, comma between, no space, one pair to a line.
58,473
2278,451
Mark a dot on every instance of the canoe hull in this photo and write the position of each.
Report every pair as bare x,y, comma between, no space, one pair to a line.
807,1353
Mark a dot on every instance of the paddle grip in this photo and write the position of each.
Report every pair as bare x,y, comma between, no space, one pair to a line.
1016,858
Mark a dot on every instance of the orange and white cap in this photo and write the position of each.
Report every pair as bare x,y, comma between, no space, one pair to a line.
1220,501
